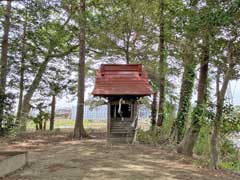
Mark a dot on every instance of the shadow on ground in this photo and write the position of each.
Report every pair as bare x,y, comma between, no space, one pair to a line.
55,156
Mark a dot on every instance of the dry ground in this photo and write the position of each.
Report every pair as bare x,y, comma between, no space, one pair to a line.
55,156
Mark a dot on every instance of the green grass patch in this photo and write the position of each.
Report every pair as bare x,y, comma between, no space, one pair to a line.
232,165
68,123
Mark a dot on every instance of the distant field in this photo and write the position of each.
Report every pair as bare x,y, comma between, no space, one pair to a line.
61,123
68,123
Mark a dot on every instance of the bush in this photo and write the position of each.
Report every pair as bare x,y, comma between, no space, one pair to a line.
229,155
159,135
231,165
8,123
230,120
202,147
153,136
148,137
40,120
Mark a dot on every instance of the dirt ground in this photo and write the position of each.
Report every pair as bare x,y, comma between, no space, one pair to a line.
55,156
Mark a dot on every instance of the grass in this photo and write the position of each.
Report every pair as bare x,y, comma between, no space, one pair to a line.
231,165
68,123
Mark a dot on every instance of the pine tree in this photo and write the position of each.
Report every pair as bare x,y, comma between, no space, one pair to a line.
4,60
79,131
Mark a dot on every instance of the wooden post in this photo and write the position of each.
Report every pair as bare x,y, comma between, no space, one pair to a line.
135,112
108,120
135,119
132,111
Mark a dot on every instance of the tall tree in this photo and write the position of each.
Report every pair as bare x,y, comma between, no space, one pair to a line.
231,60
51,40
210,27
185,93
154,109
34,85
188,53
22,67
79,131
190,138
117,33
4,60
55,90
162,65
152,69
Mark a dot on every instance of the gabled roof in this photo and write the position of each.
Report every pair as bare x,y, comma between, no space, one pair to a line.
119,79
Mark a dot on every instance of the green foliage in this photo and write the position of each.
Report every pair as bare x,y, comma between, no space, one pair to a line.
202,147
158,135
227,148
230,155
231,165
152,136
228,152
8,123
41,117
185,100
115,30
230,119
170,114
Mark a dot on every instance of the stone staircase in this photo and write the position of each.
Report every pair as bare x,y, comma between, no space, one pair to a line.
121,132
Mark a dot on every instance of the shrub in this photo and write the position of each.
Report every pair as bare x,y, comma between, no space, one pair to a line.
148,137
202,147
230,156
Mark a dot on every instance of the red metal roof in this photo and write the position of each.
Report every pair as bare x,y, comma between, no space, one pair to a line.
119,79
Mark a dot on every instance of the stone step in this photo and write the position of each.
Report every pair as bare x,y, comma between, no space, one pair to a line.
120,140
122,132
123,128
121,124
128,126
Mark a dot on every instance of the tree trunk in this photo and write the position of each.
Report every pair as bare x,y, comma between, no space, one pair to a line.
220,102
213,142
22,68
185,100
41,125
154,109
162,66
44,125
30,92
3,62
53,105
79,131
127,49
36,81
190,138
